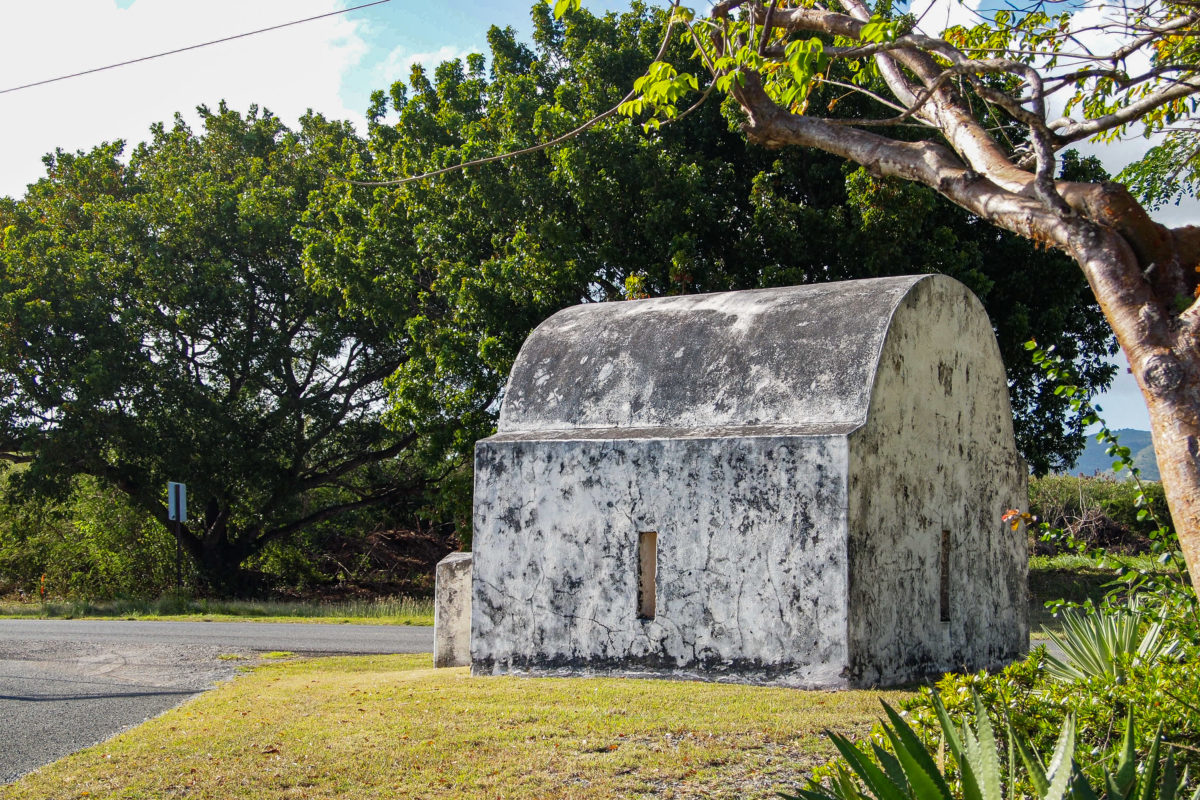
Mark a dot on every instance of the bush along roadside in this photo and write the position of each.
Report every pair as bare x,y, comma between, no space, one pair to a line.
1116,717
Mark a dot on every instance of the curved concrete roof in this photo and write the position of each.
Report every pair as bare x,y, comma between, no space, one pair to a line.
795,356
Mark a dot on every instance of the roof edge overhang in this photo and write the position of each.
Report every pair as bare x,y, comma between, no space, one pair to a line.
661,432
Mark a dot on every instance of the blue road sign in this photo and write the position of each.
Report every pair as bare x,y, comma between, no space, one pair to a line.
176,501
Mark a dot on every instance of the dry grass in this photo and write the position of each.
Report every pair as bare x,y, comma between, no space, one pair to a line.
390,727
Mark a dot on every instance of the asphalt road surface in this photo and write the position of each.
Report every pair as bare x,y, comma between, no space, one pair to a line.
67,684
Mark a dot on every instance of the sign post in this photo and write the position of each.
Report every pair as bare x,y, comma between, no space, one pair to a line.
177,513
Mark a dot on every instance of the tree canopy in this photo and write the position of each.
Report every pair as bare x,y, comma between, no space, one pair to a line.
946,106
157,325
495,249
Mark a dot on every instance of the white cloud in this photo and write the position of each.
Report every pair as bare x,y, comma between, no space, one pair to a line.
286,71
398,63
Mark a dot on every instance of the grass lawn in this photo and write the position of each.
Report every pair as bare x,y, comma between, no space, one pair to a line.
392,727
383,611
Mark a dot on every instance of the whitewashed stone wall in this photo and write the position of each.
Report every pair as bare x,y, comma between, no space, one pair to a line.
751,574
797,452
936,454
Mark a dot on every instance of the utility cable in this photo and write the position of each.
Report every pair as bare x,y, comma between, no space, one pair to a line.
551,143
192,47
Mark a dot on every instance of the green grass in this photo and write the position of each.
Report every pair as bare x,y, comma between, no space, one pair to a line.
391,727
384,611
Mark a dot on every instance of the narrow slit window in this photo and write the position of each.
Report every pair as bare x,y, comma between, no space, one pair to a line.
944,589
647,565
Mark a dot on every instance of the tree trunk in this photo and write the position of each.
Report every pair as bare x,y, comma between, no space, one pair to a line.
1143,275
1170,383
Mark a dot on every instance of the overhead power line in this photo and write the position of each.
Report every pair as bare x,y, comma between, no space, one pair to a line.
193,47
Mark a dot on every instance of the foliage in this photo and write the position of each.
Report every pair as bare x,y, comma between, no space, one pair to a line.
909,771
1138,779
1162,696
1169,171
1062,501
1013,61
1172,592
977,769
468,263
93,544
157,325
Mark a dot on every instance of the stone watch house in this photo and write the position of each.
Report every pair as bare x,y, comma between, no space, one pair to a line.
798,486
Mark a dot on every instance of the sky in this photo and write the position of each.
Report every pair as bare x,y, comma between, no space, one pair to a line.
329,65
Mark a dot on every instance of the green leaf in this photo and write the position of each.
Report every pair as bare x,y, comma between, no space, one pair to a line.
879,784
561,7
924,777
1061,765
1149,777
1122,781
971,789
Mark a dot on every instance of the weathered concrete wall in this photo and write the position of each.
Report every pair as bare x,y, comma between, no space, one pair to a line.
452,611
751,567
937,454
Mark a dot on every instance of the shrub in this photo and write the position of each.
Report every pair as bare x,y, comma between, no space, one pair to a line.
1108,644
92,545
901,765
1100,512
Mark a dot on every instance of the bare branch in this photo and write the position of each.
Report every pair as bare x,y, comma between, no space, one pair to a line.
1152,33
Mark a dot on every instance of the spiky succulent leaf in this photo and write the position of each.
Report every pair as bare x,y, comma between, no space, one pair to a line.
918,765
1148,780
1059,770
1034,767
877,782
1121,783
921,781
950,735
986,761
891,765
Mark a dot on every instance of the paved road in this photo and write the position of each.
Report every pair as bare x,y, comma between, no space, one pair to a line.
67,684
256,636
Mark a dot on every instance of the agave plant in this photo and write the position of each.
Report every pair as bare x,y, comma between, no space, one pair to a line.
1107,643
909,771
1134,781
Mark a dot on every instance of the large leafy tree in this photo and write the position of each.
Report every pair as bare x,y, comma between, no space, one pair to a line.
495,249
156,324
946,104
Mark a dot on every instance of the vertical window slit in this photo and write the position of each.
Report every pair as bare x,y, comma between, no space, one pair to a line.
647,565
944,593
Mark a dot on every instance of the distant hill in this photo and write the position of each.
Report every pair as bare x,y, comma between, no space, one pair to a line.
1094,461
